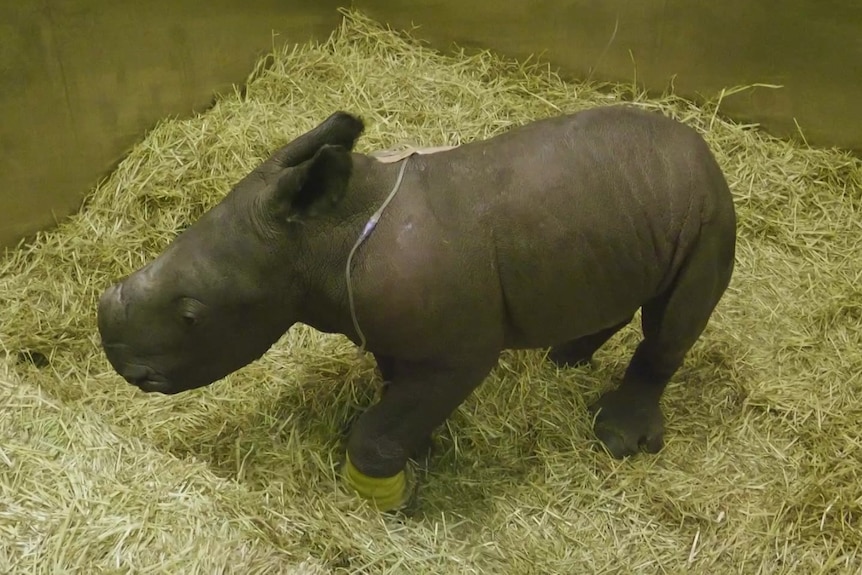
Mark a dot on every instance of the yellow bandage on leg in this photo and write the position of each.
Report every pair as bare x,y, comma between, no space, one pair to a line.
387,493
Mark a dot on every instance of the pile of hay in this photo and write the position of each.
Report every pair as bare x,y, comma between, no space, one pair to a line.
762,470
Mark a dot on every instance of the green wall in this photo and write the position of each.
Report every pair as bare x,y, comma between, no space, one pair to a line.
81,80
813,48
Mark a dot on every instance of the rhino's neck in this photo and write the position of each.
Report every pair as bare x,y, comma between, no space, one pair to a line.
326,302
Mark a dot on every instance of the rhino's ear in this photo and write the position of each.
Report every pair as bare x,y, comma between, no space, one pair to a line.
339,129
314,186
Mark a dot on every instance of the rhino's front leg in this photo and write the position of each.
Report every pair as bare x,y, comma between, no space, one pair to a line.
419,398
384,366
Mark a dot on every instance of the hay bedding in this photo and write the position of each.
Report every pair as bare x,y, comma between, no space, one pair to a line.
760,474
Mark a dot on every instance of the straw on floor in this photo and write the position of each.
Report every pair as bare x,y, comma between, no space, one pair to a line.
762,468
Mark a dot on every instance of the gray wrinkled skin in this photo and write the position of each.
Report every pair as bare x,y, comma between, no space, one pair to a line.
552,234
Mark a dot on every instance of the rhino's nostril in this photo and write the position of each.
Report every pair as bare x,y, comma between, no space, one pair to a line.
136,374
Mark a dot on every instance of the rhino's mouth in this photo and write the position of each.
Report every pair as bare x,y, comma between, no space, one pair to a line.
146,379
150,382
140,373
155,386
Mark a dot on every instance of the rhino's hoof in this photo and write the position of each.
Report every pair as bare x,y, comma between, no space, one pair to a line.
387,494
628,424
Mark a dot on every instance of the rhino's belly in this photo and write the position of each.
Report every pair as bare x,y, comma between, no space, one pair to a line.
547,324
552,296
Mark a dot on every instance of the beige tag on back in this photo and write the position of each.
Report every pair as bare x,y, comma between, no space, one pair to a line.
396,154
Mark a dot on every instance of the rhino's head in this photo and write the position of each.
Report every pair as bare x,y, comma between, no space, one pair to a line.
223,292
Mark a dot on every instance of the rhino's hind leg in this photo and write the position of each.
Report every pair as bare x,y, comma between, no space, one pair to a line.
419,398
578,352
629,418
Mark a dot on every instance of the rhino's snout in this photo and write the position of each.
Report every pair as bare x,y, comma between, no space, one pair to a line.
112,319
141,376
136,374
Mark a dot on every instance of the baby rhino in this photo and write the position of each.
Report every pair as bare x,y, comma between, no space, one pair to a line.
552,234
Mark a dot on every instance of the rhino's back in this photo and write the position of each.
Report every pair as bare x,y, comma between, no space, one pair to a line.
586,216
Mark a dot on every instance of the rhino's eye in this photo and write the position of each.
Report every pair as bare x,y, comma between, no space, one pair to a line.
190,311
